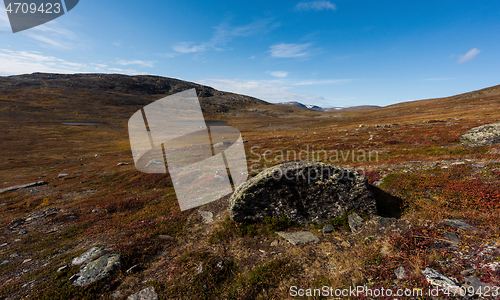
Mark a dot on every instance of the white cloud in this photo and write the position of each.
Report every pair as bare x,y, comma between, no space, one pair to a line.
316,5
224,34
279,74
289,50
26,62
469,55
268,90
136,62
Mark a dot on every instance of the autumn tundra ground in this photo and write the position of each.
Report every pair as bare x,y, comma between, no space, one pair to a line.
419,172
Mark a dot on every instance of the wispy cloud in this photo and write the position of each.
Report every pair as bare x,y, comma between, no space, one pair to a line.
279,74
289,50
136,62
316,5
469,55
268,90
223,34
25,62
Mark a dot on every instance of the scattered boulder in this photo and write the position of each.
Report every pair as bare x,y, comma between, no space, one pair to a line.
355,222
437,279
460,224
88,255
22,186
485,135
133,269
452,238
476,283
297,238
302,191
62,175
400,272
207,216
328,228
146,294
120,164
98,269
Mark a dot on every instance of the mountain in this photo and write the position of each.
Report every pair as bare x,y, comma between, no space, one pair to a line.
315,107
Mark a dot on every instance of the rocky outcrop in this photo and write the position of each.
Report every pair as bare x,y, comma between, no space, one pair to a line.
303,192
485,135
98,269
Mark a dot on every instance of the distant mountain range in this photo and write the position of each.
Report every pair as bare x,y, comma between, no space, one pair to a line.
315,107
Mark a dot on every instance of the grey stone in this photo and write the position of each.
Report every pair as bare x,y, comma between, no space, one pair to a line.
63,268
459,224
165,237
297,238
400,272
14,255
452,238
475,282
88,255
22,231
468,272
199,269
98,269
4,262
437,279
207,216
302,191
23,186
62,175
120,164
485,135
146,294
133,269
355,222
328,228
383,222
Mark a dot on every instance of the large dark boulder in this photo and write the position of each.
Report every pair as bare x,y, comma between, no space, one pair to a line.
303,192
485,135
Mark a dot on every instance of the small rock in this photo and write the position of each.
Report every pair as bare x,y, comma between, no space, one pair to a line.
98,269
475,282
297,238
133,269
116,294
22,231
146,294
165,237
96,156
355,222
377,183
27,260
345,244
199,269
207,216
63,268
88,255
459,224
3,245
123,164
62,175
452,238
275,243
4,262
17,221
96,211
382,222
14,255
400,272
468,272
437,279
328,228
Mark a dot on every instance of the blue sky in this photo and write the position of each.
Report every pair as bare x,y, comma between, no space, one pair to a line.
328,53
